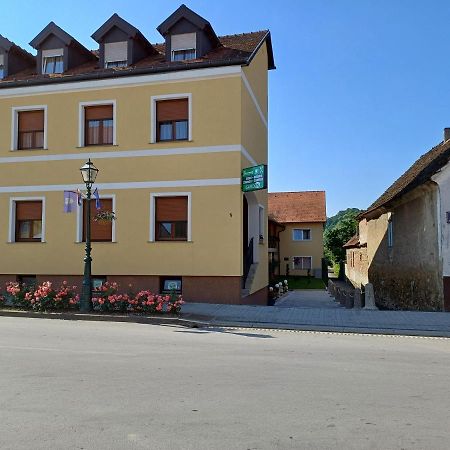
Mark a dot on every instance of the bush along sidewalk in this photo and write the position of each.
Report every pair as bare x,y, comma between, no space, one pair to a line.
106,298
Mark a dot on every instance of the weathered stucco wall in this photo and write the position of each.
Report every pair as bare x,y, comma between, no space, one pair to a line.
408,274
356,267
357,261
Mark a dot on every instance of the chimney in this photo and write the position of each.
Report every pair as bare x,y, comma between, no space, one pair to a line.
446,134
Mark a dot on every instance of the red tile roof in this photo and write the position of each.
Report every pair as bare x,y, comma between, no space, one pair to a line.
235,49
352,242
294,207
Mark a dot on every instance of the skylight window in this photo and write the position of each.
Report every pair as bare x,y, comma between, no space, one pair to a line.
52,61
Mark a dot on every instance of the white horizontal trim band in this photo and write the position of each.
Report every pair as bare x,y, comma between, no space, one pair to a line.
127,185
110,83
131,154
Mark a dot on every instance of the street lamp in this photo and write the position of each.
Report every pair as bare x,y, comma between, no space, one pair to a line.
89,173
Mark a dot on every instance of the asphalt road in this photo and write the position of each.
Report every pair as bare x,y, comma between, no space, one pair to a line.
99,385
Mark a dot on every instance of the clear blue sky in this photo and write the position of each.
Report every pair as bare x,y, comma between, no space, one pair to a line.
361,88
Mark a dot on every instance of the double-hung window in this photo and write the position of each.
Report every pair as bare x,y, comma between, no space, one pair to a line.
52,61
30,129
300,234
172,117
171,218
99,125
28,226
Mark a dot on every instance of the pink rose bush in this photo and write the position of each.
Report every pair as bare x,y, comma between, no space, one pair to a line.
107,298
43,297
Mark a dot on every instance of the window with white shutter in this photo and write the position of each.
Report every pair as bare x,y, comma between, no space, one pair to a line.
184,46
116,54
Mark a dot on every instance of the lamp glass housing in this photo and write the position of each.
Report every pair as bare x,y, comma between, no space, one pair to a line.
89,172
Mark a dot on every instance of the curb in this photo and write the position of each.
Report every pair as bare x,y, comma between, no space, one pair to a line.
150,320
326,329
193,321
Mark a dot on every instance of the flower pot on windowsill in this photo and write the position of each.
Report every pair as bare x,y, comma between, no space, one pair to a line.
105,217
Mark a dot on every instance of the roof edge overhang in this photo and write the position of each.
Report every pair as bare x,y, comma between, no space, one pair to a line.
50,29
270,60
6,44
117,74
183,12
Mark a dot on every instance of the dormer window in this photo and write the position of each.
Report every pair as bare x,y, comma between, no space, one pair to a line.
2,66
184,46
52,61
116,54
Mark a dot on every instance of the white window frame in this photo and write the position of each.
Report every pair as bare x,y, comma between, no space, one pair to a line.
15,110
79,229
81,120
301,256
302,239
54,53
172,56
12,216
153,196
154,125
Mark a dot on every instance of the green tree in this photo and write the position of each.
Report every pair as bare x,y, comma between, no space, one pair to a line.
338,231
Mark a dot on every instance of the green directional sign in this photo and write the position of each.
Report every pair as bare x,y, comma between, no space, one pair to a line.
254,178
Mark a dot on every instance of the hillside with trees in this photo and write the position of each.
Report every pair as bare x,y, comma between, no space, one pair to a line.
338,230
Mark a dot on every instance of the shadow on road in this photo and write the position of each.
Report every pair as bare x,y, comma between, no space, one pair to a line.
226,331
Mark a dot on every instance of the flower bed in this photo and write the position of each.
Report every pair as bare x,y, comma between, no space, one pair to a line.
106,298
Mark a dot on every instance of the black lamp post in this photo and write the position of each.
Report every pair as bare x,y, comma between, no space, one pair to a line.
89,173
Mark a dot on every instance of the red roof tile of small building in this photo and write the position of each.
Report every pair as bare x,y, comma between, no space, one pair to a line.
295,207
352,242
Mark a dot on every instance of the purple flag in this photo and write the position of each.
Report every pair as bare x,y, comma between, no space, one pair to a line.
97,199
70,201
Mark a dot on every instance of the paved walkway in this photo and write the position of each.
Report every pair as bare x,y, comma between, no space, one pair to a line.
307,298
299,311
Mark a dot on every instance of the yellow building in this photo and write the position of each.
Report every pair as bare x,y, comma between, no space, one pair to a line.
170,127
301,218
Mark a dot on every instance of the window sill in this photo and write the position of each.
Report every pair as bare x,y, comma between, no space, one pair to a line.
170,142
26,242
98,146
97,242
170,241
28,149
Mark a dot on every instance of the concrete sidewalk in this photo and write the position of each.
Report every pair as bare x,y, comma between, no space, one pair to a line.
335,319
